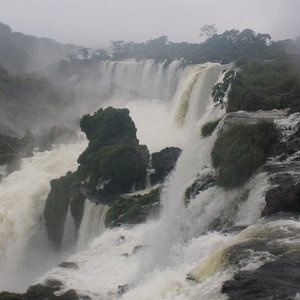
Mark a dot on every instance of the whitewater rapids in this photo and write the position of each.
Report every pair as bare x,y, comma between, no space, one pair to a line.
22,198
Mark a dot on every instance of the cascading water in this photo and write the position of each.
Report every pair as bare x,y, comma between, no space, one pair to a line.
152,260
23,194
143,80
93,223
163,240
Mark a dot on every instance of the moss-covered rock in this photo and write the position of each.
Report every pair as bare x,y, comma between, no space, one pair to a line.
133,209
107,127
115,169
39,292
112,164
163,163
64,192
240,150
114,161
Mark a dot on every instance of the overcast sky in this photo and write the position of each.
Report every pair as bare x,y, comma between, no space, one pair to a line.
95,22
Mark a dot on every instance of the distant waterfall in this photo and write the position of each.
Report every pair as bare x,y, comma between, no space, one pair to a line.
144,79
93,223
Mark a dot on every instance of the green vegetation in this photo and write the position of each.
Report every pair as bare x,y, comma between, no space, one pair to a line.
240,150
231,45
112,164
114,156
208,128
163,162
132,209
266,85
64,192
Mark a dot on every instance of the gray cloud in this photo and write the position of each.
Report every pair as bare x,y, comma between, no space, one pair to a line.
96,22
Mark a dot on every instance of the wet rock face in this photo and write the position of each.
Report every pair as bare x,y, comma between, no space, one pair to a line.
276,280
200,184
133,209
290,142
40,292
163,163
282,199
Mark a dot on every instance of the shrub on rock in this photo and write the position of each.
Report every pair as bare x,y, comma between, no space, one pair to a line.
240,150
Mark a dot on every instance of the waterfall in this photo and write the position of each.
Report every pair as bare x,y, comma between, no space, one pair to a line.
144,79
154,258
166,245
22,199
93,223
69,236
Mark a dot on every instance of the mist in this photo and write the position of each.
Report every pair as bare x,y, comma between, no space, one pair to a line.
94,23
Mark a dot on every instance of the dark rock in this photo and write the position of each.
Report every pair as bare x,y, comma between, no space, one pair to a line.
261,100
114,162
136,249
282,199
244,117
54,284
69,265
39,292
133,209
64,192
122,289
289,144
276,280
56,135
163,163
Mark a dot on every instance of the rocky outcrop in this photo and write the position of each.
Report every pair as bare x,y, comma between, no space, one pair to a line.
114,163
284,198
284,170
64,193
163,163
40,292
276,280
133,209
243,117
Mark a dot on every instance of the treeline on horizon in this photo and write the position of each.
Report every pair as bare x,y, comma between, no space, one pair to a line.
229,46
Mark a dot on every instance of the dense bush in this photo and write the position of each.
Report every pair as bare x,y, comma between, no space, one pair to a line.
266,85
120,166
208,128
240,150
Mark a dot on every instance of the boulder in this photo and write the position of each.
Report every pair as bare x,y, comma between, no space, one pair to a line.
132,209
40,292
275,280
163,163
69,265
282,199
